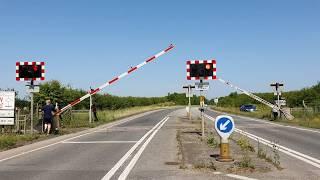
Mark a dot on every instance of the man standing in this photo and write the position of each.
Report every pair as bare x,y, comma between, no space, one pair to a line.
48,111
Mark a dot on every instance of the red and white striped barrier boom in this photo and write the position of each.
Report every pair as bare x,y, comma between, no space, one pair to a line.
287,115
132,69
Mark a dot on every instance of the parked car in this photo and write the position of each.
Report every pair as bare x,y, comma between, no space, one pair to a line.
248,108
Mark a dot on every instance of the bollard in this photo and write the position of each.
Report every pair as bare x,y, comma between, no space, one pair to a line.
224,126
224,151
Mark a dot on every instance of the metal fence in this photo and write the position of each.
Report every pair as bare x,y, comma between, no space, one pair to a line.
311,110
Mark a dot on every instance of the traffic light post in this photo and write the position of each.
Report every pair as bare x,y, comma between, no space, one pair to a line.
30,71
31,96
32,89
202,110
201,70
189,93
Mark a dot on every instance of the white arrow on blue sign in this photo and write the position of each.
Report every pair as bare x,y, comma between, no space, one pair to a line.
224,126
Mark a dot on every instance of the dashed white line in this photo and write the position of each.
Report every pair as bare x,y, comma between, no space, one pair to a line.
298,155
239,177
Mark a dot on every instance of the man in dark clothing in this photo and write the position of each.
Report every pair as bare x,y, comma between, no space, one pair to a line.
94,110
48,111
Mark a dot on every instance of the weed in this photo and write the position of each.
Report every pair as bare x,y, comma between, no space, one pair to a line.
244,144
246,162
276,155
212,142
262,154
203,165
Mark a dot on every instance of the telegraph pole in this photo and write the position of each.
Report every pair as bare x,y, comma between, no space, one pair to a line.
189,93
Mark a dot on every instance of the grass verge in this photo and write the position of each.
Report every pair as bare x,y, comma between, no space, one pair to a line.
9,141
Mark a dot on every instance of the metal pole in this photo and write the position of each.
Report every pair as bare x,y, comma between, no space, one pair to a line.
90,110
31,116
201,109
278,94
202,119
189,93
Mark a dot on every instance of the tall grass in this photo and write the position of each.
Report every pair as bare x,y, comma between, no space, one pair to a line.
8,141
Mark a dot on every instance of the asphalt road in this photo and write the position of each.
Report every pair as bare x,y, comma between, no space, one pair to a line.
90,156
139,147
303,140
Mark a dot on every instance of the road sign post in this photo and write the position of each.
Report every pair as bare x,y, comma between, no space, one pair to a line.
189,94
224,126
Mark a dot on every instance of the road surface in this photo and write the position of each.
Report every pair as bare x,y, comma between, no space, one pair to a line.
90,156
300,155
143,147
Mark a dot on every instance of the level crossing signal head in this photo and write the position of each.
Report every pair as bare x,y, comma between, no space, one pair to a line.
201,69
30,71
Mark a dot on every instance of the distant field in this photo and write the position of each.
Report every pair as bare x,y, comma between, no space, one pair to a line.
311,120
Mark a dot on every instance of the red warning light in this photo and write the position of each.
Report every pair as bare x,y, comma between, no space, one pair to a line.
27,71
208,66
35,68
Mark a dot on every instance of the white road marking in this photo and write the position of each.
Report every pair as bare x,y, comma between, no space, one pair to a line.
59,142
264,121
134,160
97,142
239,177
128,154
298,155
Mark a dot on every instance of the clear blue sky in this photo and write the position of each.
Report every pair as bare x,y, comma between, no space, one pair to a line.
86,43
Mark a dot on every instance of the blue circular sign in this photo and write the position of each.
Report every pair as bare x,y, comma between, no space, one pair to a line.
224,125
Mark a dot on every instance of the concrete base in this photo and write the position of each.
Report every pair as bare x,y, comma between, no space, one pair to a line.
220,159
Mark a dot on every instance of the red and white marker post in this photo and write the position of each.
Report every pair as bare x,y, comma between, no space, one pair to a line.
132,69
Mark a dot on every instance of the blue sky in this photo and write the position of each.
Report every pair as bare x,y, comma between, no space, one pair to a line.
86,43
